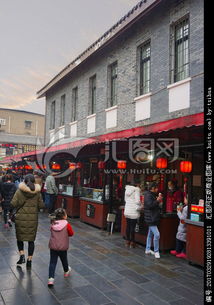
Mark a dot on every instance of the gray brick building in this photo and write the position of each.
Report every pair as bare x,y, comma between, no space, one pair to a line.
155,25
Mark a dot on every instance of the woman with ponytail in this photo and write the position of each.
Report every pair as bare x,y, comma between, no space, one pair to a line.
27,201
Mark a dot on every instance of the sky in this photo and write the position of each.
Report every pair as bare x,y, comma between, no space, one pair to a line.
38,38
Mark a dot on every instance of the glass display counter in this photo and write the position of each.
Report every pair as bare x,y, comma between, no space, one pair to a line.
92,194
92,208
68,201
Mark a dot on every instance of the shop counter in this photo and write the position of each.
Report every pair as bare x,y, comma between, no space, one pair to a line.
69,203
93,212
195,242
167,227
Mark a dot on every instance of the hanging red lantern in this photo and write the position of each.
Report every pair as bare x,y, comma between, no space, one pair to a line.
186,166
121,164
56,166
79,165
161,163
101,164
72,165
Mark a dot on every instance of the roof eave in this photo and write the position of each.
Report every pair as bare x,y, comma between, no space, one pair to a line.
122,25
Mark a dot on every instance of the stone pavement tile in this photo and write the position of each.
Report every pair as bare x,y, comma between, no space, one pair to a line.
111,275
136,267
82,269
46,298
161,280
150,299
144,261
113,264
161,292
133,276
195,285
95,254
100,283
92,295
76,280
116,256
93,263
121,298
8,280
194,297
122,252
129,287
16,296
163,271
182,301
74,301
63,292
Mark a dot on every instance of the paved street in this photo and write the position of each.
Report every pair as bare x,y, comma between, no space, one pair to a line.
103,272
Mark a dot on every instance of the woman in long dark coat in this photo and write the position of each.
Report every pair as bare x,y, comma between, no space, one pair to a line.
28,201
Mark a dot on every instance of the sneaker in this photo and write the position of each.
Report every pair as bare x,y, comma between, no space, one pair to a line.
50,282
181,255
66,274
173,252
157,255
149,252
28,264
21,261
9,223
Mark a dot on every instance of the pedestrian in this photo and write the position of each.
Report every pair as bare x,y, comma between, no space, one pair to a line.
131,212
180,249
8,190
152,204
174,196
51,192
59,244
27,200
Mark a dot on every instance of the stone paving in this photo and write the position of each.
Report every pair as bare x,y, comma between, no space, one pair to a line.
103,272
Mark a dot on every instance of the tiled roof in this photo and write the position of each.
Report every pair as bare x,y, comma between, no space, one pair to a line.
126,21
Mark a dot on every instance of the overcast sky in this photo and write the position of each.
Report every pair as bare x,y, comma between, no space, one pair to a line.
38,38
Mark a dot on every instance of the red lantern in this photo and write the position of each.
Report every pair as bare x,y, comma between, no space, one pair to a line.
121,164
56,166
186,166
101,164
72,166
79,165
161,163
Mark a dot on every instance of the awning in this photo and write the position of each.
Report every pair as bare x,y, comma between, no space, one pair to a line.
181,122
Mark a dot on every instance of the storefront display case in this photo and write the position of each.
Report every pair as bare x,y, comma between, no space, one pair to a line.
93,210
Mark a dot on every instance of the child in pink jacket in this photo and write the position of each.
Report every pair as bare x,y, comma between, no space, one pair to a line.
59,243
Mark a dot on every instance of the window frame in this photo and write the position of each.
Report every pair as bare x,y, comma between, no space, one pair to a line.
145,64
74,99
30,124
113,81
62,110
182,71
92,94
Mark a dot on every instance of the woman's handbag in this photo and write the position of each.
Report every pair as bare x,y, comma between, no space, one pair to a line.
13,214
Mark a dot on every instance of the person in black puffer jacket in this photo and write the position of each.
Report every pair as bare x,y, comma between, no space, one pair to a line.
8,190
152,218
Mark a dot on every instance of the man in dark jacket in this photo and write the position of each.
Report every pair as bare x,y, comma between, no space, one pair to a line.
152,218
8,189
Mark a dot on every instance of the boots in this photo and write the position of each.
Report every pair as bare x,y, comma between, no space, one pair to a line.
127,243
28,264
21,261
